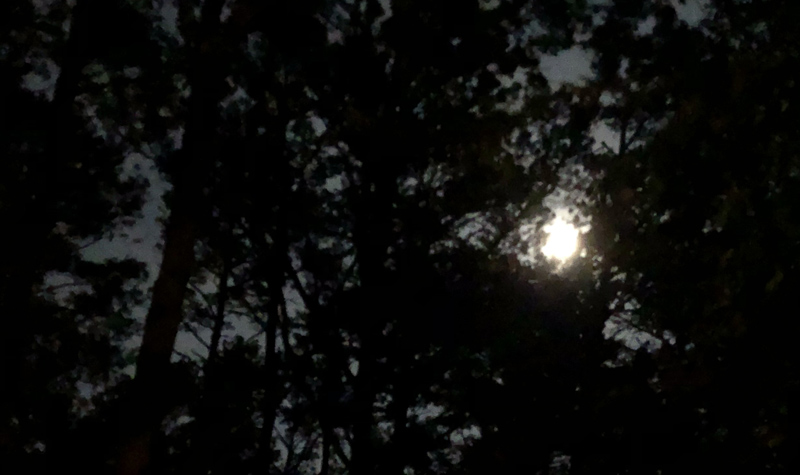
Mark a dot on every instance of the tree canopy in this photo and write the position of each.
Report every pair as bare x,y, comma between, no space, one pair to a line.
308,237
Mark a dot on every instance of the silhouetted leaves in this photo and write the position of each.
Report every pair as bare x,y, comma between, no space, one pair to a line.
346,258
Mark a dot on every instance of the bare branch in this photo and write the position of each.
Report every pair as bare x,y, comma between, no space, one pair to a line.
209,304
339,451
188,327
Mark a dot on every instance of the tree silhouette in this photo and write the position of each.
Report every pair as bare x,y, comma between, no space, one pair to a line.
350,276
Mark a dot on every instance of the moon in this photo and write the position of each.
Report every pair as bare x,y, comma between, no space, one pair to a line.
562,240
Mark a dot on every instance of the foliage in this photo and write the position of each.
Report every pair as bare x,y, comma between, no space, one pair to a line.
348,281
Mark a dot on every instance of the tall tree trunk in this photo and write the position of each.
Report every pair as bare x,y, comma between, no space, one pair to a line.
21,265
219,318
145,408
275,251
277,316
278,252
372,237
272,399
209,412
402,402
327,436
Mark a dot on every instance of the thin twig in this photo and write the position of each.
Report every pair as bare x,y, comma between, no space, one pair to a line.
337,448
182,355
188,327
258,334
637,132
92,243
206,299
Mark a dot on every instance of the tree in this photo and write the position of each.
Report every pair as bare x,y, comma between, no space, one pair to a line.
357,197
60,186
693,226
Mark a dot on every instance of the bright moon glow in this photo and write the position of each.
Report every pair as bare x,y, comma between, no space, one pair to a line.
562,240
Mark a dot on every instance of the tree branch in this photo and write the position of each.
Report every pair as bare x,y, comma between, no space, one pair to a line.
188,327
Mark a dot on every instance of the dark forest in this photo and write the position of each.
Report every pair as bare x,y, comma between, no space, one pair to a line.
399,237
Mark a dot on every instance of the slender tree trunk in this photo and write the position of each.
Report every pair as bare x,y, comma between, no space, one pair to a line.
372,236
402,401
363,461
325,460
219,318
202,460
269,407
793,443
146,411
277,316
145,408
9,350
276,253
